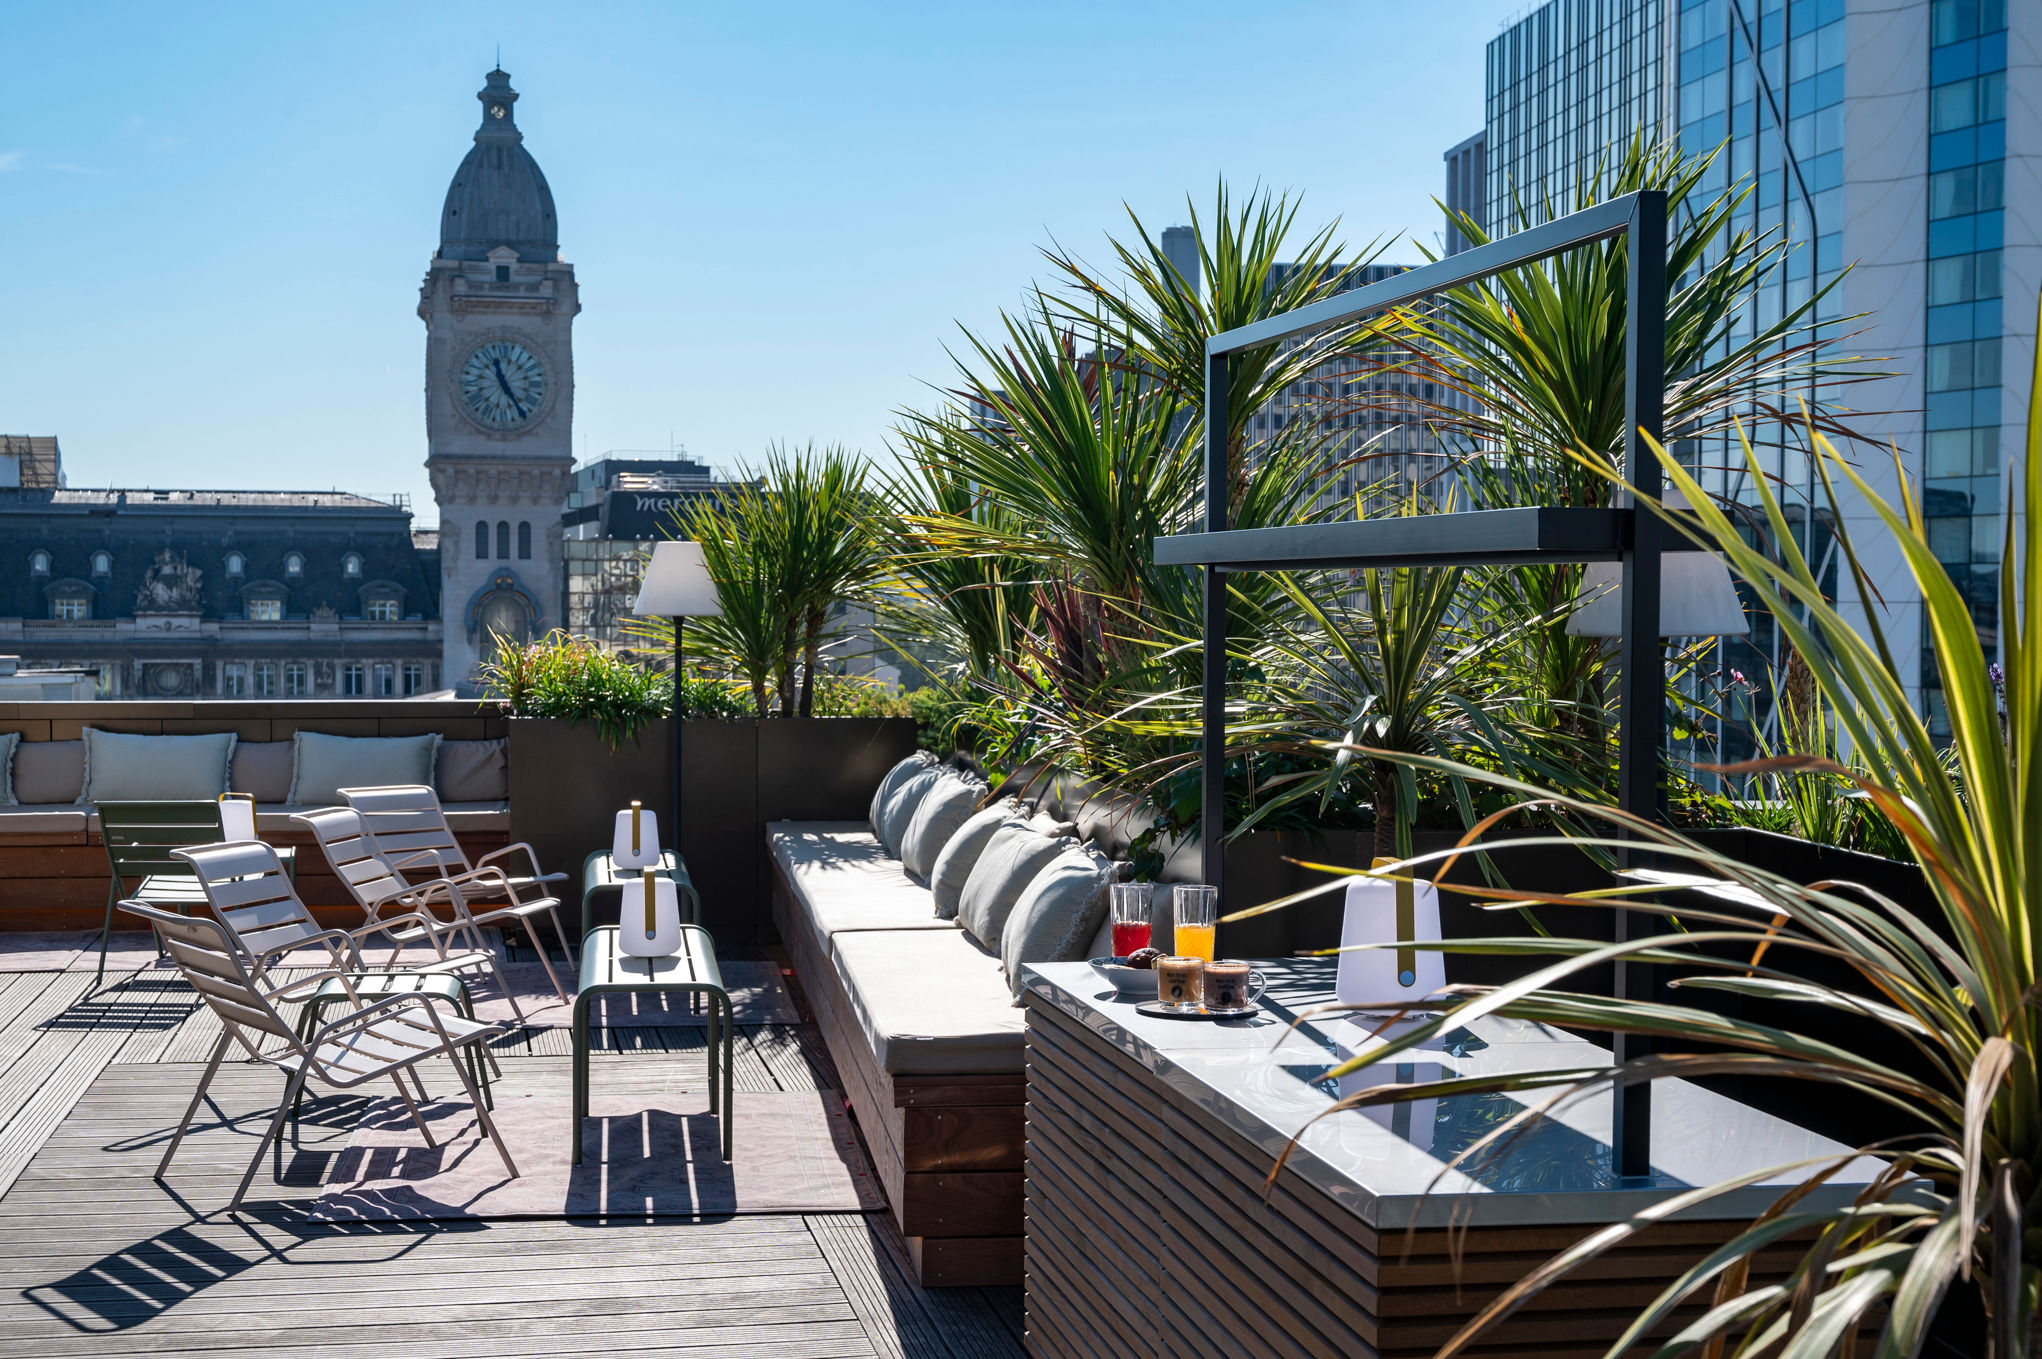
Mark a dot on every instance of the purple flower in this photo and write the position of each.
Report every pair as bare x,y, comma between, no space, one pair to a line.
1997,676
1737,678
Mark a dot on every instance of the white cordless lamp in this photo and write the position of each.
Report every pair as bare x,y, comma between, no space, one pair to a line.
237,817
677,585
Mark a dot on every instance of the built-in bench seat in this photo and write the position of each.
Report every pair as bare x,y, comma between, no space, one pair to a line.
921,1023
66,818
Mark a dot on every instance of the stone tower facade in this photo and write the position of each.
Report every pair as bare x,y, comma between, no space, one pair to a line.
498,305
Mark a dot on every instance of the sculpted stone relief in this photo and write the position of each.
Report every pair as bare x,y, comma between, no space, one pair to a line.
169,586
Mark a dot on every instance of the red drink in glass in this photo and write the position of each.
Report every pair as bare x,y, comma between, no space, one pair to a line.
1129,935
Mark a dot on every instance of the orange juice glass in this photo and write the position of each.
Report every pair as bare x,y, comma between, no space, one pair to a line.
1197,910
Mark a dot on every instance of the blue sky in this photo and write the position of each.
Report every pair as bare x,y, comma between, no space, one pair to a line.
217,216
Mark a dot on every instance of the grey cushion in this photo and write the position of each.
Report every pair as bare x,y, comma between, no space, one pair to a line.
912,765
8,741
929,1002
945,807
843,879
960,855
1058,912
473,771
48,771
262,769
899,808
326,764
123,766
1011,859
45,820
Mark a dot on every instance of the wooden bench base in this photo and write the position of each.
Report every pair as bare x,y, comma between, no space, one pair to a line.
947,1149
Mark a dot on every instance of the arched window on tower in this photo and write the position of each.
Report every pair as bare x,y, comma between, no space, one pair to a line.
525,541
503,540
482,540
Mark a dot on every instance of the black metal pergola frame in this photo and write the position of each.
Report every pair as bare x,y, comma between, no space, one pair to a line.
1475,538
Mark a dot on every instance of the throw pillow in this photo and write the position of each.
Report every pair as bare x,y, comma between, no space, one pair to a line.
473,771
48,772
1058,912
1010,861
327,764
8,742
125,766
945,807
912,765
262,769
900,807
960,855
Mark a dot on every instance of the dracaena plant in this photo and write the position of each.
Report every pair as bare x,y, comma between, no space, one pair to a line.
1953,1000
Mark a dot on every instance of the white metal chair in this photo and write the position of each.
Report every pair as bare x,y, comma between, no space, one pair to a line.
377,886
409,830
382,1039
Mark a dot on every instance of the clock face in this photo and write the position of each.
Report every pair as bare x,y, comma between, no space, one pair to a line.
503,384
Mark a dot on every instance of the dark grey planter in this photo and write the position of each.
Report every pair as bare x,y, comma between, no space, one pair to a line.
566,787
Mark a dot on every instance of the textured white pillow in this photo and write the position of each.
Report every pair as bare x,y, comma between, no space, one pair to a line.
1011,859
1058,912
900,808
960,855
125,766
912,765
944,808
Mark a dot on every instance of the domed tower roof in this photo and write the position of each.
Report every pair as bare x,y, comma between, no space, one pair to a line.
498,196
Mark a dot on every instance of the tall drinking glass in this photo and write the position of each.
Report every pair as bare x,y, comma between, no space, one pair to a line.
1132,903
1198,919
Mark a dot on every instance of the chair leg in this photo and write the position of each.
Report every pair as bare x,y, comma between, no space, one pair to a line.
269,1136
482,1117
418,1084
197,1097
547,961
503,985
482,1044
106,931
416,1116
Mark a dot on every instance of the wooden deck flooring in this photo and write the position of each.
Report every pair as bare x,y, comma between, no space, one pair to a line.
99,1259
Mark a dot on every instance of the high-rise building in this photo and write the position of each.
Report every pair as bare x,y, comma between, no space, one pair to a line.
621,504
499,306
1569,84
1881,146
1467,188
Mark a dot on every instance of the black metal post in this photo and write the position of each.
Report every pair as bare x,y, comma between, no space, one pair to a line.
1212,784
673,835
1641,697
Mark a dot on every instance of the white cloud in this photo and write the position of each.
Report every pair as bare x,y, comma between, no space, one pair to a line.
11,160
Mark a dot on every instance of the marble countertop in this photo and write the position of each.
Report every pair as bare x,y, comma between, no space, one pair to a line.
1390,1165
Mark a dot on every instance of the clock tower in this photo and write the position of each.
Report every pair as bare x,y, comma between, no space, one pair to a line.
498,305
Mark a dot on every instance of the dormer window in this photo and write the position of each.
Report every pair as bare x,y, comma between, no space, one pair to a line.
351,566
380,610
294,564
265,609
70,608
39,562
503,273
102,563
236,563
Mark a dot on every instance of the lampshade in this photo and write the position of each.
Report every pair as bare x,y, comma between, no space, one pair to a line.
677,584
1697,598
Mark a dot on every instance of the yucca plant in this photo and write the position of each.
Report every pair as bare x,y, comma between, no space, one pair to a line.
1953,999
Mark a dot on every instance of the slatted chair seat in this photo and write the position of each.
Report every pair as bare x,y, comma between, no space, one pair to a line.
402,911
383,1038
410,835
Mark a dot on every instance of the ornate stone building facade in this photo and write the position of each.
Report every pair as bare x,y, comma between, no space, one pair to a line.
499,306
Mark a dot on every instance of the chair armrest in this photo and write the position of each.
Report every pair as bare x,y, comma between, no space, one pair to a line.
333,939
531,857
382,924
288,990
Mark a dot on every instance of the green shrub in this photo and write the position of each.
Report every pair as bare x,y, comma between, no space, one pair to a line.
850,696
573,678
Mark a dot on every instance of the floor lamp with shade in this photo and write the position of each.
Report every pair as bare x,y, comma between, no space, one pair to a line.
677,585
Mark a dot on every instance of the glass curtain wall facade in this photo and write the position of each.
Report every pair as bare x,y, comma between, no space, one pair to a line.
1568,86
1961,456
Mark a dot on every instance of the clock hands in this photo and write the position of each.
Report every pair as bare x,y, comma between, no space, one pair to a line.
497,364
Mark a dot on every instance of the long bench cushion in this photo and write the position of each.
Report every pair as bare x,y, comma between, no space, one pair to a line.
843,879
44,819
930,1002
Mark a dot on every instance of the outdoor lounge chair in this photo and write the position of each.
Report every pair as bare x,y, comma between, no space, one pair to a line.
383,1039
139,839
409,830
377,887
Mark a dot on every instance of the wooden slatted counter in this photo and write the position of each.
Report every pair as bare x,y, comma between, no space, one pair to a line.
1149,1140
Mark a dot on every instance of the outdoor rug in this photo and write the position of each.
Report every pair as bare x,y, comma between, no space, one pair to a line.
793,1152
758,994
